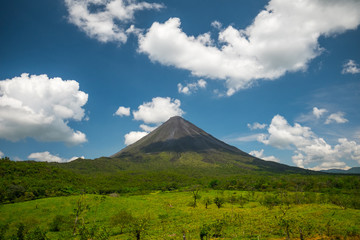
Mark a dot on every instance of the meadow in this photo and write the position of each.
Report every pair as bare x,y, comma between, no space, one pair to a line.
194,213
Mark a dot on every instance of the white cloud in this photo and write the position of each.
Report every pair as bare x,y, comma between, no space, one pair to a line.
74,158
134,136
318,112
147,128
1,154
48,157
260,154
216,24
351,67
191,87
309,148
104,19
336,117
158,110
331,165
44,157
282,38
250,138
123,111
155,112
40,107
282,135
256,125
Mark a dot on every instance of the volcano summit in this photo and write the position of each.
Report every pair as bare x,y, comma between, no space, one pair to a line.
185,144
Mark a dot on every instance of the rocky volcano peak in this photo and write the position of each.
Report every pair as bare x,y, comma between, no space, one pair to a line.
178,135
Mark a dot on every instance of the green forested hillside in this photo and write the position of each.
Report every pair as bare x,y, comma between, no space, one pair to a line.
31,180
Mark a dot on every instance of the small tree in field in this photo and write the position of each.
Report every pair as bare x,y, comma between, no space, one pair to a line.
195,194
207,202
219,201
139,227
123,219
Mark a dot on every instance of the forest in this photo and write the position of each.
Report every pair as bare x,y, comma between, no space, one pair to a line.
43,201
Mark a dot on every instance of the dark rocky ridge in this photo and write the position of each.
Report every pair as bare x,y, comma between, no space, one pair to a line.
179,135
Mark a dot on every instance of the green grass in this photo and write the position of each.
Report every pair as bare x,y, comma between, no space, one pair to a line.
169,216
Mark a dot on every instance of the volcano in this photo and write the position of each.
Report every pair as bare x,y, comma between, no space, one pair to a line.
183,143
178,135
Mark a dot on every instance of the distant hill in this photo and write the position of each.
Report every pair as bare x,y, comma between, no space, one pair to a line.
354,170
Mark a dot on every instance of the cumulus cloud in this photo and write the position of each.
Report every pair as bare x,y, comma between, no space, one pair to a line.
1,154
260,154
318,112
155,112
256,125
48,157
40,107
282,38
134,136
308,147
336,117
158,110
282,135
191,87
351,67
74,158
147,128
122,111
104,20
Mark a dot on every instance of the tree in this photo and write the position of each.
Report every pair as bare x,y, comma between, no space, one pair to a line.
195,194
81,208
122,219
207,201
219,201
139,227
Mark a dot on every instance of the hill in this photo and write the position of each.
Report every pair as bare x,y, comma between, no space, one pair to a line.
354,170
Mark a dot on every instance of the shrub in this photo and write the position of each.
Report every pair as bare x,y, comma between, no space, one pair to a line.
207,201
139,226
270,201
123,219
3,229
37,234
219,201
59,223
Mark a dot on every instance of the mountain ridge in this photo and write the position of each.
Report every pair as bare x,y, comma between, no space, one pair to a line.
353,170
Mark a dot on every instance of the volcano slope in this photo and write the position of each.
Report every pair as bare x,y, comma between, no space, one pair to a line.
181,146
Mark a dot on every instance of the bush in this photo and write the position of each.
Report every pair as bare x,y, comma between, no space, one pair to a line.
207,201
37,234
123,219
59,223
139,226
3,229
214,229
270,201
219,201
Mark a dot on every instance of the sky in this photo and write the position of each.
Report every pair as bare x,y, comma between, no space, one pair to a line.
278,79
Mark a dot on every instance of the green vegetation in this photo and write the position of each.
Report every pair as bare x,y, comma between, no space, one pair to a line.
28,180
167,215
155,198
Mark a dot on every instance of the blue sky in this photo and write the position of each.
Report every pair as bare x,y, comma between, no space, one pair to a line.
277,79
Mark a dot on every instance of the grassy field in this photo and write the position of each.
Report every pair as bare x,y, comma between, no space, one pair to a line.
172,215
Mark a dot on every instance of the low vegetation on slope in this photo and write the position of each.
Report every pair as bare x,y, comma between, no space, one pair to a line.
192,214
22,181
